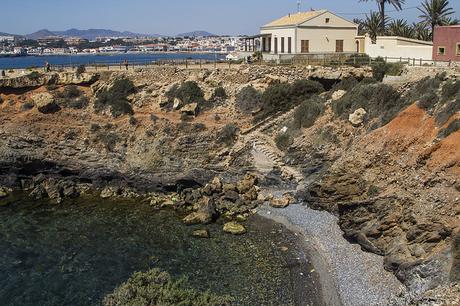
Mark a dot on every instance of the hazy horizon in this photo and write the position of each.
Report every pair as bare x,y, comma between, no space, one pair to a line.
172,17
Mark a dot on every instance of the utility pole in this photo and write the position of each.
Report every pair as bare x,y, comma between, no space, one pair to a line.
299,4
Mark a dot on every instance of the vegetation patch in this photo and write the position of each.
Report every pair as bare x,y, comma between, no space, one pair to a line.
448,111
115,98
451,90
81,69
248,100
26,106
453,127
188,92
219,93
72,97
379,100
284,96
108,139
228,134
283,141
34,75
155,287
307,112
380,69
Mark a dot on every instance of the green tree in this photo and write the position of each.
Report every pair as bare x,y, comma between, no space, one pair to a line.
372,25
435,13
397,4
400,27
421,32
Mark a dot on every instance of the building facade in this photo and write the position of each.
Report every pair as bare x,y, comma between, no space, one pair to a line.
446,43
309,33
397,48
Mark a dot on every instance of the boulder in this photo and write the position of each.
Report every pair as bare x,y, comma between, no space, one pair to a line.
177,104
338,94
229,187
234,228
201,233
45,103
38,193
198,217
247,183
190,109
357,118
109,192
231,196
283,202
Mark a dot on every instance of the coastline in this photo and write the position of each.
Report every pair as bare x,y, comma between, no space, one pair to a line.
348,275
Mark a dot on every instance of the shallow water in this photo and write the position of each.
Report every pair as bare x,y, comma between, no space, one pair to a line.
76,253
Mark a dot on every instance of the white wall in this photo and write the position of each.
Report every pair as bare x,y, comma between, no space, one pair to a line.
279,33
323,40
398,47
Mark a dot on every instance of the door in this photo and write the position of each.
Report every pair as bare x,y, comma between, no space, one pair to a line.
276,45
289,45
304,46
339,46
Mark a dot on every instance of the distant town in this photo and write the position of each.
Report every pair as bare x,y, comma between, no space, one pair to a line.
14,45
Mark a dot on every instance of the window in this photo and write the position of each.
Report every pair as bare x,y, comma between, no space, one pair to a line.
289,44
282,44
305,46
458,49
441,51
339,46
327,20
276,45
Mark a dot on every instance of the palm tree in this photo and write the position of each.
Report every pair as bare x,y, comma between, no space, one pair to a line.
372,25
421,32
399,27
397,4
450,21
360,23
435,12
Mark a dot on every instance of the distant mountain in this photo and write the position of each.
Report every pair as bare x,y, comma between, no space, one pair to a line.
40,34
7,34
89,34
92,34
196,34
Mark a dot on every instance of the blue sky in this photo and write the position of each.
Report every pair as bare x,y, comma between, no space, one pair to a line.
169,17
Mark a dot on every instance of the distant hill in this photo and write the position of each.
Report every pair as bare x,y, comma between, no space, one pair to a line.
40,34
196,34
90,34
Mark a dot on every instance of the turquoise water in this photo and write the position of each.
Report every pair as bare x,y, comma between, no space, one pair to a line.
76,253
38,61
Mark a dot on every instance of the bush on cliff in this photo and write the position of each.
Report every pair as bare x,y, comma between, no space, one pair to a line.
188,92
379,100
115,98
26,106
72,97
284,96
422,87
219,93
453,127
283,141
448,111
155,287
451,90
228,134
306,113
248,100
380,69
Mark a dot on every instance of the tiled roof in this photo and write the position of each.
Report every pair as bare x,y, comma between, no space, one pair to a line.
295,19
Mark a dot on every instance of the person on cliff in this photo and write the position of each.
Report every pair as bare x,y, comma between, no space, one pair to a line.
47,67
126,64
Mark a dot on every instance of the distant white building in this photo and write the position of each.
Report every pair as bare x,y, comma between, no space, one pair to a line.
6,38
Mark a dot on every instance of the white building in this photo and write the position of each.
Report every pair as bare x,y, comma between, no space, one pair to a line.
396,48
6,38
314,32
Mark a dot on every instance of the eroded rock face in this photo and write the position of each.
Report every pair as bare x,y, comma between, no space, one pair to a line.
190,109
45,103
37,79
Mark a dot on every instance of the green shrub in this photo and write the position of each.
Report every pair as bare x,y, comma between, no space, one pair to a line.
228,134
451,90
72,97
448,111
27,106
283,141
453,127
345,84
380,69
109,139
115,98
187,92
248,100
428,100
81,69
282,97
306,113
219,93
132,120
154,118
379,100
155,287
426,85
358,60
94,127
373,191
34,75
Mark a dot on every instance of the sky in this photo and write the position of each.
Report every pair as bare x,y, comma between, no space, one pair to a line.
170,17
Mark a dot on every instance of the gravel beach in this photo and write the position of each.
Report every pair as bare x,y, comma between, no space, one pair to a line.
348,275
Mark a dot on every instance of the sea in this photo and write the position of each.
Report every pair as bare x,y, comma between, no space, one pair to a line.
24,62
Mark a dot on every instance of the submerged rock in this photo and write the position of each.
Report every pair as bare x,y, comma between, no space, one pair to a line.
234,228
